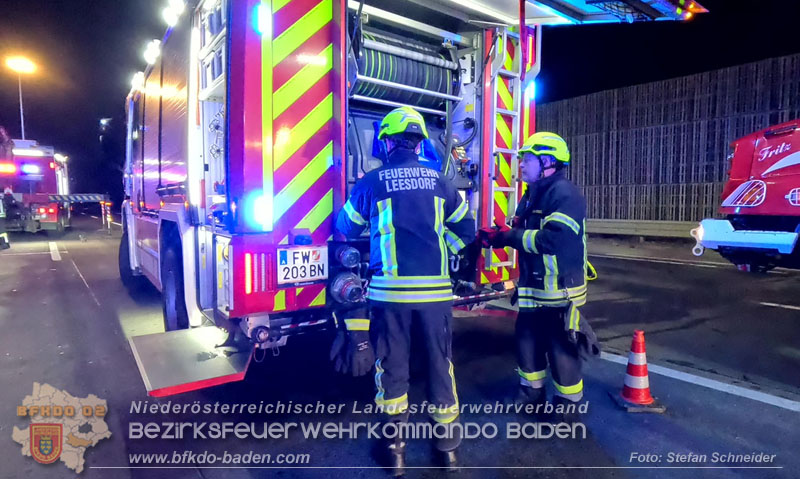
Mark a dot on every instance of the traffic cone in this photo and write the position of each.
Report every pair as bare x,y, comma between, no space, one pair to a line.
635,396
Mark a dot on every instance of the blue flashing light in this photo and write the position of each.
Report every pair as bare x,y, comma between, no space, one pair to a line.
530,90
29,169
263,19
258,210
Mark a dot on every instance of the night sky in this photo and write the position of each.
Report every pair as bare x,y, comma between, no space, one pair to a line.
88,50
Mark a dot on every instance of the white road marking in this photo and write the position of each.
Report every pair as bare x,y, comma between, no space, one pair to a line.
711,384
95,217
54,254
84,282
116,224
784,306
699,264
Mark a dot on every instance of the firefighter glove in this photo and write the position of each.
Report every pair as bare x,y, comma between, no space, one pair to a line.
495,237
361,354
352,351
581,334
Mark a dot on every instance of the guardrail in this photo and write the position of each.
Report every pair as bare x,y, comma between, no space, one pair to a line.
655,229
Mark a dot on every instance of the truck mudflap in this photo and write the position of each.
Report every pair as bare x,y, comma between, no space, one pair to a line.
186,360
713,234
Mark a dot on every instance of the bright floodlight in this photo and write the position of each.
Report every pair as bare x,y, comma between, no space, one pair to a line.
60,158
178,6
21,65
172,12
138,81
152,52
170,16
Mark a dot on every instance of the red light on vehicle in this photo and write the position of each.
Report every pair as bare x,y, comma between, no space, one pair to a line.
8,168
42,211
51,210
248,273
52,165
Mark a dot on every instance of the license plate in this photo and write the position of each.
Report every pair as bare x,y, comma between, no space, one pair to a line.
299,265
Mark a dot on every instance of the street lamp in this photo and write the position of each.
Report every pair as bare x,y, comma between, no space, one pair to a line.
21,66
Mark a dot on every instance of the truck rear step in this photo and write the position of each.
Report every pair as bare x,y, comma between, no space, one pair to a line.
186,360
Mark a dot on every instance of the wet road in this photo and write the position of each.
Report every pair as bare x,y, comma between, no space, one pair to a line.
66,319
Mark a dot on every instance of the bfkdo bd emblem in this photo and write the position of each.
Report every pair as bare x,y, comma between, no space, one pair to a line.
46,441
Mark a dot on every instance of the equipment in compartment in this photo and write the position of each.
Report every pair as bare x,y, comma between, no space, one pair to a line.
393,72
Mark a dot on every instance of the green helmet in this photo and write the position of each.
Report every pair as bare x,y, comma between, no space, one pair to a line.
402,120
545,143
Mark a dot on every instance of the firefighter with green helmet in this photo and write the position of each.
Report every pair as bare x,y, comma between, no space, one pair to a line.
416,219
549,231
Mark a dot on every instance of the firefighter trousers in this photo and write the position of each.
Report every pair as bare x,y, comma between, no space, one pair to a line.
4,243
391,330
541,341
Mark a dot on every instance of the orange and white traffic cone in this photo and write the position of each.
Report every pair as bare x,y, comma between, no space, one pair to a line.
636,395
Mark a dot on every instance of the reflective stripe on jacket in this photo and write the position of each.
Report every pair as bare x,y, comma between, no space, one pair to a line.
551,240
416,219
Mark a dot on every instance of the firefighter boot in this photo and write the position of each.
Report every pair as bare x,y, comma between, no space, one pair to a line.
446,446
392,449
396,456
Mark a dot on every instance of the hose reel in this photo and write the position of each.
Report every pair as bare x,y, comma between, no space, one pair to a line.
394,72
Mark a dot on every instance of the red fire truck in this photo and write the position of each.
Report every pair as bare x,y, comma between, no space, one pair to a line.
30,181
256,117
761,202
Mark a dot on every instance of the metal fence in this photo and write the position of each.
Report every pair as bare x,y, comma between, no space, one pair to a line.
657,151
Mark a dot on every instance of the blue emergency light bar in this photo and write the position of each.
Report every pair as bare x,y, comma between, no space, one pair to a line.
29,169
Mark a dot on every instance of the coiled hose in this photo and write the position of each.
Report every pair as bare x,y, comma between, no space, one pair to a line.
405,71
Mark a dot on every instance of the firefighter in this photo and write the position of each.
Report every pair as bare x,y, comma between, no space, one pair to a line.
4,243
549,231
416,219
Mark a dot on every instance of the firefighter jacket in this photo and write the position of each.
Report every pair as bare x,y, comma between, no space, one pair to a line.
550,235
416,219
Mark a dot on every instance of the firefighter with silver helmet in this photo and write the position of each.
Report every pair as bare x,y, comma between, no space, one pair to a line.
549,231
416,219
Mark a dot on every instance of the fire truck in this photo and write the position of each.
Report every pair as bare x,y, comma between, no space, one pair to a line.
256,117
31,181
761,203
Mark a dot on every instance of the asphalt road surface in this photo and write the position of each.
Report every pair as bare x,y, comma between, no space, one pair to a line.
726,345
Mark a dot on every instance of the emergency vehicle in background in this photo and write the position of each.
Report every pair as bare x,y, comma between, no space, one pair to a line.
28,180
761,202
256,117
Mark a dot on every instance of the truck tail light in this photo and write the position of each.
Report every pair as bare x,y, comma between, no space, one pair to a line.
7,168
52,165
257,272
248,273
51,210
42,210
